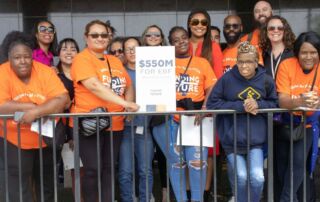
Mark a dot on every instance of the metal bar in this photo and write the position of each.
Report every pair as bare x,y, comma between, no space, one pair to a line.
132,134
167,154
214,158
112,161
99,159
6,173
235,156
270,157
55,183
304,157
180,154
19,162
201,160
291,158
145,157
76,159
248,157
41,160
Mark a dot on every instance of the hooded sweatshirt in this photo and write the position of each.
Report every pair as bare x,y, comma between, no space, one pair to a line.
229,93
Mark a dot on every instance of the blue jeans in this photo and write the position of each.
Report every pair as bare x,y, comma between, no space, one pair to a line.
191,157
143,152
256,174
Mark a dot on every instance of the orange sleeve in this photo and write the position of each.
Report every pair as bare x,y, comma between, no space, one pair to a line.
4,86
217,58
283,78
54,85
81,68
209,76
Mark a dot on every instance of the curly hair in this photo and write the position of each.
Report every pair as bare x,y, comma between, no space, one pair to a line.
246,47
288,35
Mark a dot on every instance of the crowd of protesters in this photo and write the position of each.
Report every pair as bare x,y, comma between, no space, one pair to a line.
267,68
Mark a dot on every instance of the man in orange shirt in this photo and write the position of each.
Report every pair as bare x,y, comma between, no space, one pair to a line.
232,30
34,90
262,11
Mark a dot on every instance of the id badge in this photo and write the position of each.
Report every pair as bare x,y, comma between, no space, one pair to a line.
139,130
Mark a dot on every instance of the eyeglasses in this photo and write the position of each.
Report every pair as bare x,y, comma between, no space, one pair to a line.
153,34
233,26
44,29
247,62
195,22
96,35
117,51
273,28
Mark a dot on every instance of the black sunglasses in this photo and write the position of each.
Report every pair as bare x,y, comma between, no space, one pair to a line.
96,35
117,51
273,28
195,22
44,29
233,26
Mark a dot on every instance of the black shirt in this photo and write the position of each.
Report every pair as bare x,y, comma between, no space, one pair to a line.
267,59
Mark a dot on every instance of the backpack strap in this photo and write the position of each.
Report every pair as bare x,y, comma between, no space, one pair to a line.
249,37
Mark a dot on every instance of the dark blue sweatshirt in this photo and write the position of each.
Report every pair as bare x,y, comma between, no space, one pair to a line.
229,93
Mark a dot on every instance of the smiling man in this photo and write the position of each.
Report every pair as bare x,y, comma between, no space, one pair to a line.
262,11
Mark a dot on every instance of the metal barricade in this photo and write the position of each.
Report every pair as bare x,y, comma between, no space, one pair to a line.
4,167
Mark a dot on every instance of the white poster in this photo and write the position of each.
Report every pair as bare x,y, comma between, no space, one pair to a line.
191,133
155,78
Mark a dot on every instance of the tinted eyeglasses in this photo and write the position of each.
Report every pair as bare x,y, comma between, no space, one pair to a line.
117,51
96,35
153,34
44,29
273,28
233,26
195,22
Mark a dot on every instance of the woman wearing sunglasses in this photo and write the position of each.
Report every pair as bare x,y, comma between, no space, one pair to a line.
45,37
116,49
276,41
199,23
153,36
100,81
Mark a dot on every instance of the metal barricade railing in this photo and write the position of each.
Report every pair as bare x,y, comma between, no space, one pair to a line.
4,185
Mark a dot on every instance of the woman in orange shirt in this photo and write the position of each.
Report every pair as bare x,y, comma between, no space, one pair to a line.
33,89
100,81
298,84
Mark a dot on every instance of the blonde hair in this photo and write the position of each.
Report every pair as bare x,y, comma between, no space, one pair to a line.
246,47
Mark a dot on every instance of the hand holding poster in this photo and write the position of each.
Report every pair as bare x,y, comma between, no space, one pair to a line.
155,78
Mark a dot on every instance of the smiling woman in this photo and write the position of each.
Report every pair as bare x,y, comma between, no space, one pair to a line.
34,90
94,76
45,36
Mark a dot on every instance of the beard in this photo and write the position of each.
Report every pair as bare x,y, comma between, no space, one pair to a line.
259,24
232,39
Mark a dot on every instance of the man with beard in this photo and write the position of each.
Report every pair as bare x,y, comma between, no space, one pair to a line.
232,29
262,11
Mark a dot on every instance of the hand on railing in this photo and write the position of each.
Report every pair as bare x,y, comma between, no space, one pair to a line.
310,99
251,106
131,107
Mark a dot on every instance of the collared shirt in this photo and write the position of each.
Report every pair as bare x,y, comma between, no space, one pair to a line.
40,56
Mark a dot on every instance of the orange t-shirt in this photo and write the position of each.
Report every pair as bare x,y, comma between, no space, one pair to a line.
229,58
198,77
216,57
86,65
254,41
44,84
293,81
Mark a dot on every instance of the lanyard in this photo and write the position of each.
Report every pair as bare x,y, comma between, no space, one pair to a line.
275,69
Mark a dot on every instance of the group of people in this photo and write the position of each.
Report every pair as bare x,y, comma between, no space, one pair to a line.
267,68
